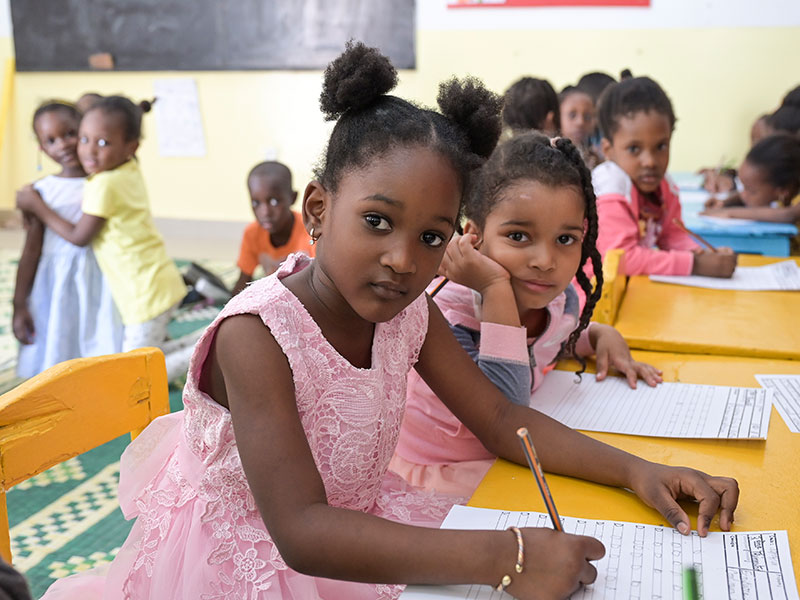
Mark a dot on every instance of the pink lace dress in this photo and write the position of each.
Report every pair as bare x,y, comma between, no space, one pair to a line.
198,535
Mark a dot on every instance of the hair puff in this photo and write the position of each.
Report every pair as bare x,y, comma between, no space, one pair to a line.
355,79
475,109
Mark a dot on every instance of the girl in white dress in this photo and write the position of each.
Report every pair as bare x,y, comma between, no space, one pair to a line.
62,306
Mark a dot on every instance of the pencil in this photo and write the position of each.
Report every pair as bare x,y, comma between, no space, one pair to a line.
538,474
696,236
690,587
439,287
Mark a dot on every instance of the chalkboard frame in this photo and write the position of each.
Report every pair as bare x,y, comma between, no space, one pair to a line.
207,35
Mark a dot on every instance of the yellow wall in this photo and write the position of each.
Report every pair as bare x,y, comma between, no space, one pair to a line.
719,81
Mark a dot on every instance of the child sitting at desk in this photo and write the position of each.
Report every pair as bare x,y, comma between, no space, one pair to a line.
278,230
637,205
770,177
510,301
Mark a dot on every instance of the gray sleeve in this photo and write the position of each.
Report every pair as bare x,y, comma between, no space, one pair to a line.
511,378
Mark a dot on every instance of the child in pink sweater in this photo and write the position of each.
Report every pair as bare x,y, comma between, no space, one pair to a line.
637,205
510,303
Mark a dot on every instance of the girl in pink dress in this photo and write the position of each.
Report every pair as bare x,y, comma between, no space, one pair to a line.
273,482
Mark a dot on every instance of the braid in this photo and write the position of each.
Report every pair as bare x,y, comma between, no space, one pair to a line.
588,248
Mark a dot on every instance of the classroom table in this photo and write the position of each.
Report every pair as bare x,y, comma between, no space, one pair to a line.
768,471
676,318
753,237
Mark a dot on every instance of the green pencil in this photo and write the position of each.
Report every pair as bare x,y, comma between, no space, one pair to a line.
690,589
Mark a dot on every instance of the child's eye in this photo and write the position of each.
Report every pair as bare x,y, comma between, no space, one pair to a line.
633,149
102,143
51,140
83,139
517,236
434,240
378,222
274,202
566,240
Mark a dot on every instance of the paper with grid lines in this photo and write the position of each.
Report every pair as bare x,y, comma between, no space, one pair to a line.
780,276
646,561
678,410
786,396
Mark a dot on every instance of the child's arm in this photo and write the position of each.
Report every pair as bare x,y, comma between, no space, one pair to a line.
782,214
247,371
619,228
80,233
611,350
242,282
22,321
503,351
477,404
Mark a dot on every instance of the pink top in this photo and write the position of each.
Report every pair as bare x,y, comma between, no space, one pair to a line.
198,533
653,244
431,434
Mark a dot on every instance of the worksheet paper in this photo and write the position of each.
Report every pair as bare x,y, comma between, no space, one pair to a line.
783,275
786,396
178,119
646,561
678,410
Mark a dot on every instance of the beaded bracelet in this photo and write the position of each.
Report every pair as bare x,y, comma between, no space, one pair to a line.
506,580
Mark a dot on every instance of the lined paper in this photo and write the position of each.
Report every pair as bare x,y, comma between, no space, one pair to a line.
780,276
646,561
786,396
680,410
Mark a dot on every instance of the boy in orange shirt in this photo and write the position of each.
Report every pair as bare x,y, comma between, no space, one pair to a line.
278,230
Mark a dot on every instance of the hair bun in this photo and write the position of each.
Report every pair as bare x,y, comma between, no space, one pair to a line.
147,105
358,77
475,109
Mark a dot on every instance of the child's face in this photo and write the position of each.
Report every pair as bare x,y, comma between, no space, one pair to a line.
757,190
759,130
578,117
535,232
640,147
384,233
57,132
271,198
101,142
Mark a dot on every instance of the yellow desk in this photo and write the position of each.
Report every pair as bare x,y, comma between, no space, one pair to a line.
768,471
674,318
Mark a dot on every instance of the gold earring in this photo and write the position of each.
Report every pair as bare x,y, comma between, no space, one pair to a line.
313,239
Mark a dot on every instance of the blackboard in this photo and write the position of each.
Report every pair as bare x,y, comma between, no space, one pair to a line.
160,35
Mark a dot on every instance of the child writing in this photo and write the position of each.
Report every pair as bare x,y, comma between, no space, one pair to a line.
637,205
770,176
532,227
278,230
62,305
531,103
146,285
272,482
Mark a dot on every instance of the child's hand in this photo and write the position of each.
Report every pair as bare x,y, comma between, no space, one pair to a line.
556,564
721,263
22,324
611,350
660,486
28,199
712,203
464,264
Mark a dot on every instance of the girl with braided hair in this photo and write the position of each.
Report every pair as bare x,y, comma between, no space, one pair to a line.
273,481
510,302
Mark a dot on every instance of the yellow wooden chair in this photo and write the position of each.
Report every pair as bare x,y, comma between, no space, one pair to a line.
73,407
614,284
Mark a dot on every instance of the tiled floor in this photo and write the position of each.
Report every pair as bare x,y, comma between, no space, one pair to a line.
67,519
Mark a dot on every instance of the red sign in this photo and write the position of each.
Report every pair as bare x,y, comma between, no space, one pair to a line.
519,3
